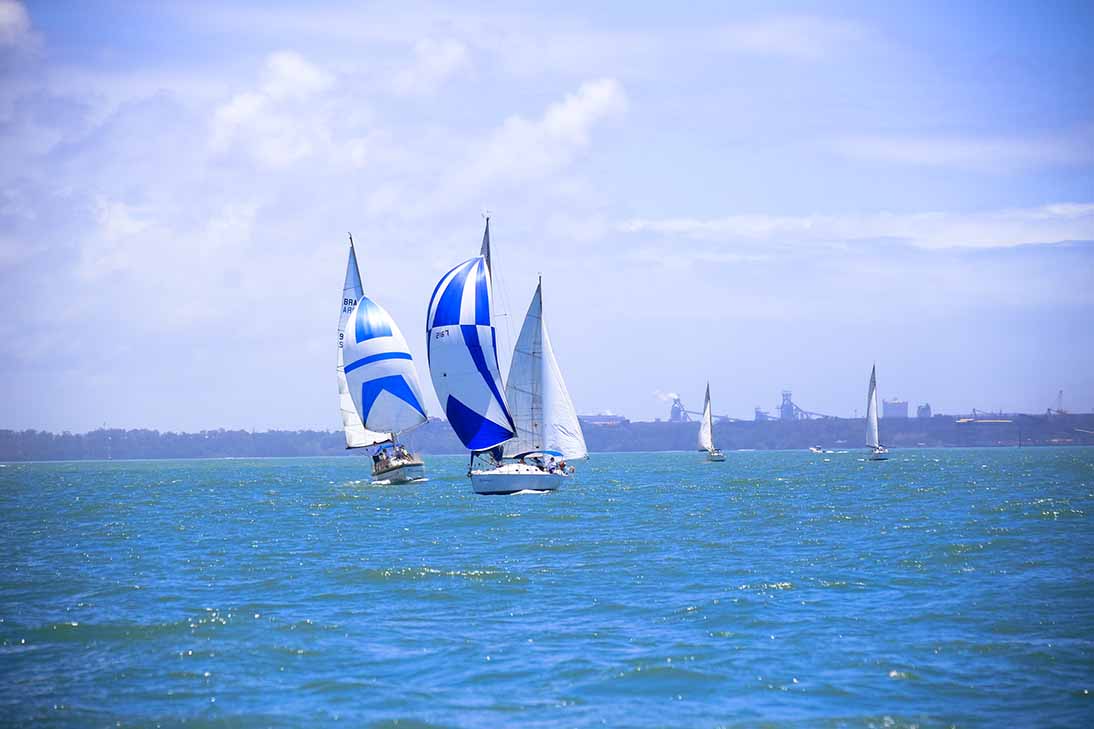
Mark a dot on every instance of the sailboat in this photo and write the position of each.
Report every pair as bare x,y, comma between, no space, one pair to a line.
878,451
378,388
547,427
463,357
706,433
514,449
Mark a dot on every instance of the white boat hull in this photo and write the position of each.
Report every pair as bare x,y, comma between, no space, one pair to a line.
401,473
514,477
716,456
879,455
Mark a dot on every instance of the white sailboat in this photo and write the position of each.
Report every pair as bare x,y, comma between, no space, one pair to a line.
463,357
548,432
378,388
873,442
706,433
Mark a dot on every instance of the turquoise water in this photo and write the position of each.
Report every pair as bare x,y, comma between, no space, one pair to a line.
943,587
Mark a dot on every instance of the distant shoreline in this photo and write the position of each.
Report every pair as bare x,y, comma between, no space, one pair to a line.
436,438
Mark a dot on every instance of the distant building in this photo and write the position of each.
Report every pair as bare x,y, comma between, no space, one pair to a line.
678,414
894,409
605,419
923,411
786,408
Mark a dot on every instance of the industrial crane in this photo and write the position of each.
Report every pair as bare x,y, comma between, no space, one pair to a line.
680,414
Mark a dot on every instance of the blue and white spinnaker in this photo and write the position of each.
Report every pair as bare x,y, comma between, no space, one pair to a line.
380,371
356,434
463,355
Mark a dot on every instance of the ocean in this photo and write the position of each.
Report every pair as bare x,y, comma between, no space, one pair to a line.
944,587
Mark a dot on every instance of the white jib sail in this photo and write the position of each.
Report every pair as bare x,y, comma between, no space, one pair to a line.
356,434
536,393
872,440
706,426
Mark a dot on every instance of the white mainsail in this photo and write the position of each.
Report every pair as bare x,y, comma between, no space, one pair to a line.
542,410
872,440
356,434
706,426
463,354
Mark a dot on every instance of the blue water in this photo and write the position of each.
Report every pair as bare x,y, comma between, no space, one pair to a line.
943,587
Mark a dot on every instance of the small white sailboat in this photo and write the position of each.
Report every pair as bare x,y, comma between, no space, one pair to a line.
463,357
706,433
878,452
378,387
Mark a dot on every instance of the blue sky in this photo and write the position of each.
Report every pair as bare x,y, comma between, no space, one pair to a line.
764,195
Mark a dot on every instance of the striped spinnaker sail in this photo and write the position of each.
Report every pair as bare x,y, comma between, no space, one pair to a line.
356,434
380,371
463,356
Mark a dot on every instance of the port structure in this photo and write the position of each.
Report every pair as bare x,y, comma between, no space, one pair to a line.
788,410
1059,409
680,414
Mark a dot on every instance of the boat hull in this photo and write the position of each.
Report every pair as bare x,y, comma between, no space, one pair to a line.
716,457
401,473
512,478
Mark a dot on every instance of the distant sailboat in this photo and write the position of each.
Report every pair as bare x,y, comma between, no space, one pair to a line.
873,442
706,433
378,387
463,356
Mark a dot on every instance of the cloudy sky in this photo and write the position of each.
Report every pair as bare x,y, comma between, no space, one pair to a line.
764,195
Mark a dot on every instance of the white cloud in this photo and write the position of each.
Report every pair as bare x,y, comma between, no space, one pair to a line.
523,149
14,24
278,123
984,229
982,153
435,61
796,36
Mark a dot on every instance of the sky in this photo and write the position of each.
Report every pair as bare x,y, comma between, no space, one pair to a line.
764,196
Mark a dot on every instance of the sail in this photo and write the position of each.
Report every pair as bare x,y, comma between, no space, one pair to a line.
706,426
380,371
356,434
872,440
463,356
542,411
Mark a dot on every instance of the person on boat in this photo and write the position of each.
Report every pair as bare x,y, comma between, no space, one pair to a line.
551,465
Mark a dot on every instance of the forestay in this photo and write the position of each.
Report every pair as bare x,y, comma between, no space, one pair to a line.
706,426
380,371
463,355
356,434
872,439
542,411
